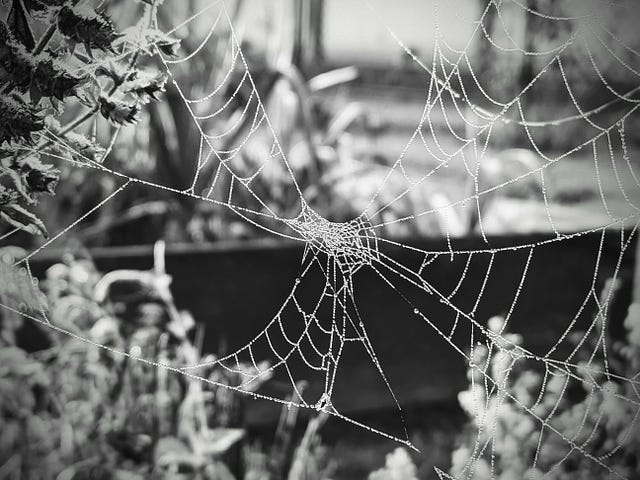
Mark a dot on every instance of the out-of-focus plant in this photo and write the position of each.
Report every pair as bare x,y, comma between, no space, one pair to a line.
504,441
51,87
79,409
398,466
90,412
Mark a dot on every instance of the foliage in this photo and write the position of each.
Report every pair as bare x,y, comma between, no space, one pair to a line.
398,466
46,82
599,420
80,410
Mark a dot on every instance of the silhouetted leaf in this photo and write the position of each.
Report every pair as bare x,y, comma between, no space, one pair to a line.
85,26
19,120
19,25
118,111
16,62
51,79
39,177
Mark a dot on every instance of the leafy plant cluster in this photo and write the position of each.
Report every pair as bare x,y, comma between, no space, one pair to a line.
79,410
504,441
45,82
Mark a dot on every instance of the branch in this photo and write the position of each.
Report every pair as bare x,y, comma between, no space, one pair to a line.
116,84
44,39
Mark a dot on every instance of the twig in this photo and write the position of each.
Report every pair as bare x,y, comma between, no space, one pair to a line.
44,39
116,84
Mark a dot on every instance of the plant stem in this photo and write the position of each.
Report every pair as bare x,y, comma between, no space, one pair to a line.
46,36
91,112
44,39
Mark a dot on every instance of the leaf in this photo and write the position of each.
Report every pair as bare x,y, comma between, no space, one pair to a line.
146,87
7,195
167,45
85,26
20,217
82,147
19,185
52,79
85,147
39,177
16,287
41,5
117,111
115,71
19,25
219,440
88,95
19,120
16,62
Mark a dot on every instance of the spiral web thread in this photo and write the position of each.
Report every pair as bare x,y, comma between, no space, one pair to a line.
338,250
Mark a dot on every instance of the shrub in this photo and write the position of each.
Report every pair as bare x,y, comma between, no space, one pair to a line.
44,83
504,441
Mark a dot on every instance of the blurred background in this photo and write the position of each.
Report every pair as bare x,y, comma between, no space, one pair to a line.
344,96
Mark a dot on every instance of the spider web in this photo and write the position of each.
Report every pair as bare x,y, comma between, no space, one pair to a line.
307,340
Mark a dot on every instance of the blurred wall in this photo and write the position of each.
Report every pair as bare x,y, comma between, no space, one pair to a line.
355,31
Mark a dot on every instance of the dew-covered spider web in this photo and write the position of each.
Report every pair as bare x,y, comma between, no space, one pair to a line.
241,155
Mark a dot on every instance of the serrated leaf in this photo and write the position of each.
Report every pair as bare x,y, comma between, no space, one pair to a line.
19,120
146,87
40,178
22,218
117,111
52,79
19,25
85,26
16,62
19,185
